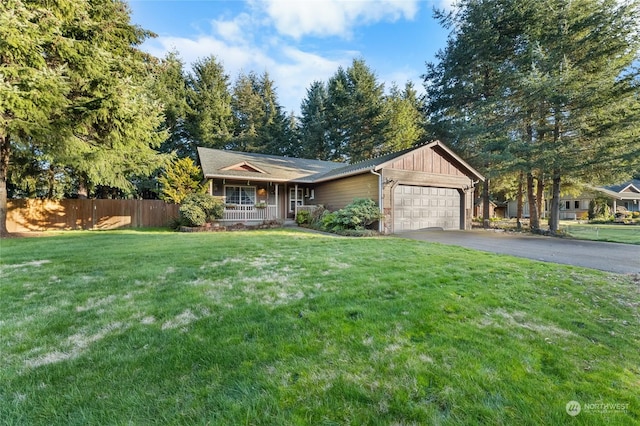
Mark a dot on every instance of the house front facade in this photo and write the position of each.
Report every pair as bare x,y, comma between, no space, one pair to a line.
424,187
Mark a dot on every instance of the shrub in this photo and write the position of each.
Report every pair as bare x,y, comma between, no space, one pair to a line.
303,217
181,179
599,208
357,215
327,220
636,215
198,209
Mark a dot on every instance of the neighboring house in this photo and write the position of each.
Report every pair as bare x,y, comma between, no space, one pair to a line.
625,195
427,186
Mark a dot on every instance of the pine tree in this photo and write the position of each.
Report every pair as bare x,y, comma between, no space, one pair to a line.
314,138
260,125
355,113
210,118
405,119
544,88
170,87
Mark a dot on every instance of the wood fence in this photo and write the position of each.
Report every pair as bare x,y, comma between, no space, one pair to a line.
45,215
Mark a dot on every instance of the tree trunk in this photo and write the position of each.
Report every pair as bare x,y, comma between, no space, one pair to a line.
5,152
519,199
534,222
83,191
485,204
540,196
554,217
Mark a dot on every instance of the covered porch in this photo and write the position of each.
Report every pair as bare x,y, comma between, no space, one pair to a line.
256,201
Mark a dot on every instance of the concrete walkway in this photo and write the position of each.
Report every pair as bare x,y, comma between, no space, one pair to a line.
610,257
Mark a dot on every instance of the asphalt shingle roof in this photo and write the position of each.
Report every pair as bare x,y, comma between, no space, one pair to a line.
620,187
276,168
218,163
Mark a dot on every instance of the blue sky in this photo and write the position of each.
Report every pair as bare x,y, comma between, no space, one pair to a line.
297,41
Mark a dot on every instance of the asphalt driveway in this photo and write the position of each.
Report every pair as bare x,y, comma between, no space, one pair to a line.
611,257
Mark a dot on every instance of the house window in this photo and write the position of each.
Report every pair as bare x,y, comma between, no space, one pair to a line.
567,205
240,195
576,204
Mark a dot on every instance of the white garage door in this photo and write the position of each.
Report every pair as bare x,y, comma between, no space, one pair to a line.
417,207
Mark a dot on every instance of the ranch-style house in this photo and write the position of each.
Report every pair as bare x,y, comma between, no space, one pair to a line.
424,187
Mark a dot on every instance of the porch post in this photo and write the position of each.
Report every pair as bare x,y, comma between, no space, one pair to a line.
615,206
277,202
210,186
295,203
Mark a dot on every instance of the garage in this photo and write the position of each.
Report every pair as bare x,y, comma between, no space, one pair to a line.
418,207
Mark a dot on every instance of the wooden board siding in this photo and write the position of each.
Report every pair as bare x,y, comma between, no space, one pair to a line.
428,160
336,194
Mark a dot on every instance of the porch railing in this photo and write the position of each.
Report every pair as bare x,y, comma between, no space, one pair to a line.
242,213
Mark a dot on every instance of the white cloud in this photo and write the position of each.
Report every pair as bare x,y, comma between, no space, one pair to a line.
252,41
333,17
233,31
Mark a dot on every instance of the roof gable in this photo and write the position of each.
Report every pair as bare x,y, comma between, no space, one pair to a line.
626,190
441,157
243,167
217,163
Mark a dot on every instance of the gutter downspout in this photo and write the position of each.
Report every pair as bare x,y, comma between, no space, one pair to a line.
380,222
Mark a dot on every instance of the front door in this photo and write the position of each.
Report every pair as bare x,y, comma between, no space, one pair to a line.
293,200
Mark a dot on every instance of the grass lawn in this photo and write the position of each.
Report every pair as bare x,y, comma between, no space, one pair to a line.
629,234
285,327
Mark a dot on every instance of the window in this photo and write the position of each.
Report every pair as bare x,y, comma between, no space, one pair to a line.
576,204
241,195
567,205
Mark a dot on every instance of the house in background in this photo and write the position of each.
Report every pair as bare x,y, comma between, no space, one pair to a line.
423,187
625,195
622,196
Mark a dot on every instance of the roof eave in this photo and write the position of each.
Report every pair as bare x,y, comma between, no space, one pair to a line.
258,179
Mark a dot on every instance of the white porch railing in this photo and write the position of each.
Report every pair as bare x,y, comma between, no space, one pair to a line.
242,213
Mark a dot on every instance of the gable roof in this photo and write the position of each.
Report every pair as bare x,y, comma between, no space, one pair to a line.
378,163
218,163
626,190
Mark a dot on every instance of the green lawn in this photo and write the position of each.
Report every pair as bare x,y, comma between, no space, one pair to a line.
629,234
285,327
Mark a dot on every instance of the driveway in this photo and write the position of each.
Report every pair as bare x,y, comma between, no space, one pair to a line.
610,257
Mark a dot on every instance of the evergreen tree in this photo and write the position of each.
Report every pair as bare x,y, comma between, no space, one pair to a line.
170,87
544,88
182,178
73,85
337,110
405,119
260,125
210,118
355,113
314,139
